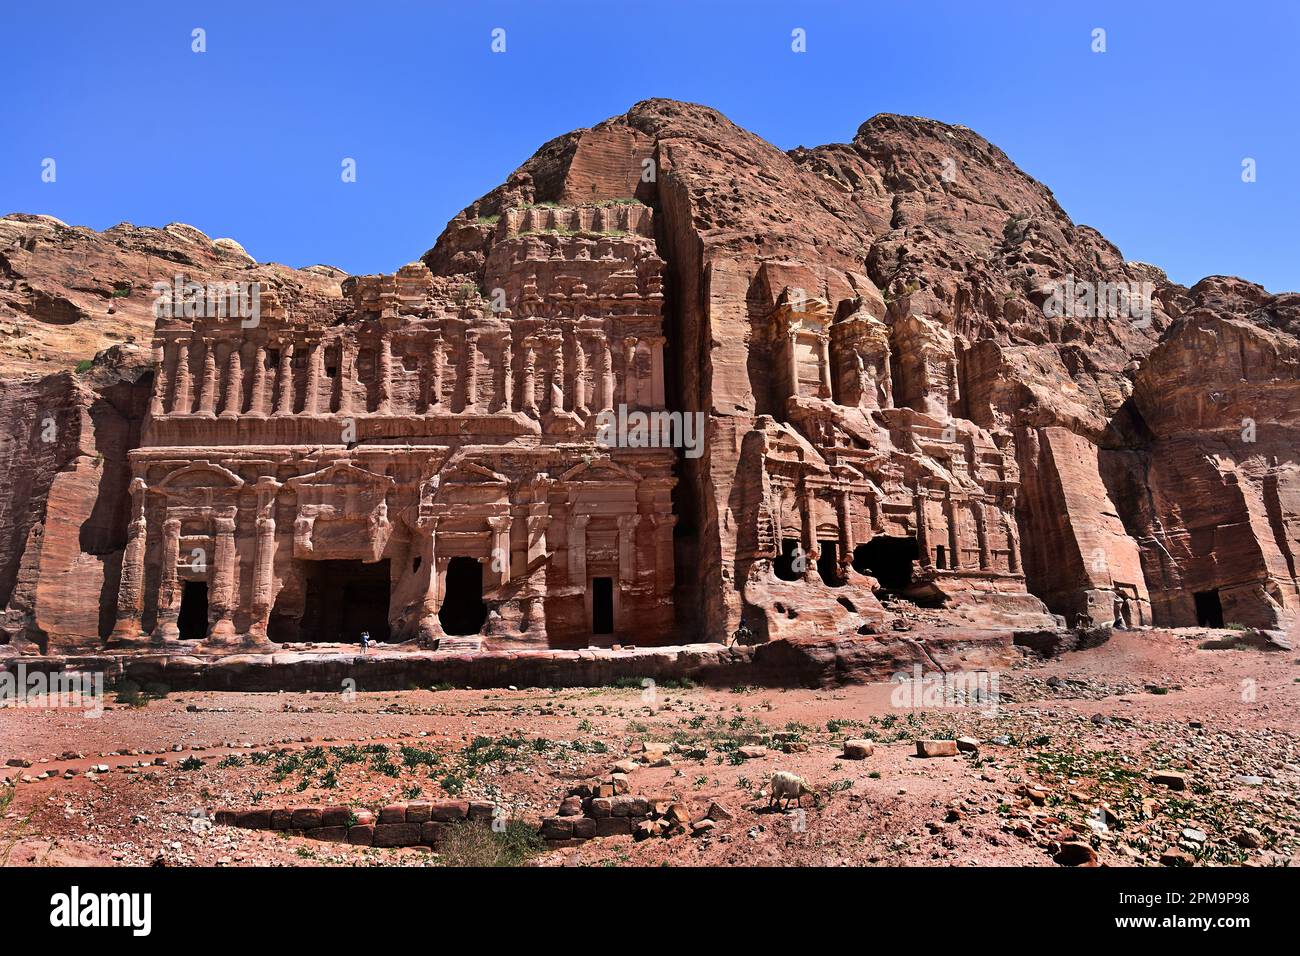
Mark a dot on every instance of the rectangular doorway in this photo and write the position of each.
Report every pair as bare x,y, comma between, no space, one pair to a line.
345,598
1209,609
602,605
192,621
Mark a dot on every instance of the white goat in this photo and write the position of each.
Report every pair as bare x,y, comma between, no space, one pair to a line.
786,786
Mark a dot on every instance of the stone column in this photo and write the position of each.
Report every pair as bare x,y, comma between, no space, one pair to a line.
160,379
954,536
606,376
578,550
222,594
431,596
347,355
530,381
257,407
1013,541
208,398
922,530
579,377
439,358
557,374
385,403
130,591
284,398
471,369
315,372
846,532
808,516
500,562
165,628
627,525
629,371
182,393
234,398
823,369
264,557
981,535
507,402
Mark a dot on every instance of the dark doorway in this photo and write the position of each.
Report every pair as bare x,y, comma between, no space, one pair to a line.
345,598
463,610
940,557
784,565
602,605
828,563
1209,609
192,621
888,560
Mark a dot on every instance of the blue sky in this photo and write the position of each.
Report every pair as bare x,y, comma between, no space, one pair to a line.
1145,141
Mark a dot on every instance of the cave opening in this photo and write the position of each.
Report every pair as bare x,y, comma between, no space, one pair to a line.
192,621
463,610
888,559
1209,609
828,563
783,566
345,598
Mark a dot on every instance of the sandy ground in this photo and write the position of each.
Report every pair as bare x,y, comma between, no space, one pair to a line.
1068,755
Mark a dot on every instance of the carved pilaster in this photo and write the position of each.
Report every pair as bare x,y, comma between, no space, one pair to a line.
257,406
234,397
264,556
284,384
208,397
222,592
130,591
315,372
169,583
578,549
627,525
182,391
160,379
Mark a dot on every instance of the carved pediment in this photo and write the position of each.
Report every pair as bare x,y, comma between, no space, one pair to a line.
200,474
601,469
340,474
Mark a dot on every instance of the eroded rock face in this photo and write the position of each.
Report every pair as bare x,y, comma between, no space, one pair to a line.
927,400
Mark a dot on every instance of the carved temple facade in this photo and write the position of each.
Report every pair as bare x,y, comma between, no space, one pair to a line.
413,461
420,461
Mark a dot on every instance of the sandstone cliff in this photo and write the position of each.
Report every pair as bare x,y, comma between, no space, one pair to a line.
72,403
902,340
933,231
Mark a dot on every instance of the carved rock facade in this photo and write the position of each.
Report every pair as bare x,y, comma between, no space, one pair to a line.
896,434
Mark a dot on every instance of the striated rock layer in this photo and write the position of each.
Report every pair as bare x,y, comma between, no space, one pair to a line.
925,399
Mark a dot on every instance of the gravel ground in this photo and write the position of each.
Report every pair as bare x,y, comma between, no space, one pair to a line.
1069,768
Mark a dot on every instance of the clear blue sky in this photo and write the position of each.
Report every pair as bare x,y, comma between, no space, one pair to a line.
1145,141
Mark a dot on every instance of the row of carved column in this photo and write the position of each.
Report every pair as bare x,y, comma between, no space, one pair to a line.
220,391
847,543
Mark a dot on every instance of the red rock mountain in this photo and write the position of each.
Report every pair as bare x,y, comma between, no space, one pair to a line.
920,379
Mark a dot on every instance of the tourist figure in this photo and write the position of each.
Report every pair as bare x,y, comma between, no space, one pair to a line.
365,641
743,634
